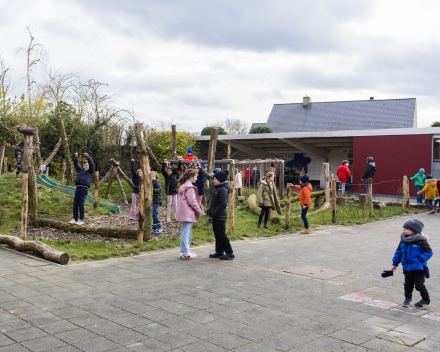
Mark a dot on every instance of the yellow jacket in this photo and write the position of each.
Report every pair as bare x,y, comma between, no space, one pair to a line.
430,189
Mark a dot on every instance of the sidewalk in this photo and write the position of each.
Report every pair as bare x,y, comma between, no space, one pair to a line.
158,302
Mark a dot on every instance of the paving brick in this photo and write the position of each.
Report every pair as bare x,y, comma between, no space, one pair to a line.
153,329
202,346
105,328
58,326
25,334
228,341
353,337
429,345
383,345
150,345
43,344
99,344
331,344
126,337
13,348
77,335
5,340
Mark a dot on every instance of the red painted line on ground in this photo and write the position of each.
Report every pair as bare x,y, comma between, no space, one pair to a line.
225,267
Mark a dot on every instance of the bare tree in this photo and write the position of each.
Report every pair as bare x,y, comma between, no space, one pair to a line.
5,85
232,126
59,86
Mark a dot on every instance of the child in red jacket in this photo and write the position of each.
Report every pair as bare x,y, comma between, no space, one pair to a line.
343,174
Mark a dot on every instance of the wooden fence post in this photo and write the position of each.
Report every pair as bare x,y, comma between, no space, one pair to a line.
5,165
174,134
65,143
63,170
2,155
334,196
370,195
288,205
47,170
404,194
231,209
407,192
141,229
96,191
327,181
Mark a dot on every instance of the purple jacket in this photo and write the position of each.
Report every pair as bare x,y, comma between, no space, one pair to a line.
188,208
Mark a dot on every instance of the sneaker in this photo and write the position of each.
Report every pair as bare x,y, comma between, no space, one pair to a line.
422,304
407,302
431,211
188,255
73,221
154,230
80,222
133,219
159,230
216,255
227,257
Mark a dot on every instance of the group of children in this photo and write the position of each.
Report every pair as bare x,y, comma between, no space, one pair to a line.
427,187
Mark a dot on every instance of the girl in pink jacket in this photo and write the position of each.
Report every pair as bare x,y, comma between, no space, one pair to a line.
189,210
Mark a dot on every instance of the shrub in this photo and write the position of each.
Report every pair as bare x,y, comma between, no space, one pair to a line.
260,129
207,131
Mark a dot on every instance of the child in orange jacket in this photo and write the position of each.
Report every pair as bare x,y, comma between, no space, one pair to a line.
305,201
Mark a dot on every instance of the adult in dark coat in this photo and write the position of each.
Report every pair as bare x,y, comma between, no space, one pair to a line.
369,172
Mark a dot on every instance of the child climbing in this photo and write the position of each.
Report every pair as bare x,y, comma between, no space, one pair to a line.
419,179
188,211
189,155
343,174
170,175
265,198
157,201
305,200
431,192
82,182
136,176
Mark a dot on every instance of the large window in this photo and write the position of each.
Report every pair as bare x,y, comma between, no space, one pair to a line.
436,158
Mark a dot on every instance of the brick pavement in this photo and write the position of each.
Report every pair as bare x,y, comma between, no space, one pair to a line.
159,302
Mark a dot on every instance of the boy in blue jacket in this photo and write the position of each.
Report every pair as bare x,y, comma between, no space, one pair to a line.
82,182
413,251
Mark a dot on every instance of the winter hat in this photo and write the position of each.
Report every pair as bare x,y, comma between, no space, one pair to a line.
428,177
370,159
189,151
422,171
304,178
414,225
216,170
205,165
222,175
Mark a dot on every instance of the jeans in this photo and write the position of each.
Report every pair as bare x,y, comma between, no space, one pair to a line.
415,278
428,203
419,196
343,188
78,202
265,213
366,185
171,201
304,217
185,236
156,221
222,243
247,182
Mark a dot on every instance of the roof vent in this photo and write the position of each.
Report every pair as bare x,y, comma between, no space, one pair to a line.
371,98
306,100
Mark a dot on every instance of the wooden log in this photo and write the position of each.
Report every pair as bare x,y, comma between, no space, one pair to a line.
96,191
5,165
39,158
228,156
231,209
54,152
150,152
340,200
107,175
125,177
380,205
211,150
118,180
312,195
362,199
333,201
370,195
63,170
42,249
2,156
30,131
24,205
145,166
109,186
141,229
327,181
319,201
65,143
339,193
288,205
47,170
101,231
174,135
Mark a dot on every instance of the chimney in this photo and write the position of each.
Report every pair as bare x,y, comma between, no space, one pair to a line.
371,98
306,100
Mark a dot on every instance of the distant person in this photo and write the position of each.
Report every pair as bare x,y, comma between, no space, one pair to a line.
157,202
82,182
136,176
238,182
343,174
189,155
419,179
305,200
256,176
265,198
369,172
247,176
170,175
431,192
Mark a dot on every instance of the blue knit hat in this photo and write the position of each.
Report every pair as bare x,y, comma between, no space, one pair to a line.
189,150
304,178
216,170
414,225
205,165
422,171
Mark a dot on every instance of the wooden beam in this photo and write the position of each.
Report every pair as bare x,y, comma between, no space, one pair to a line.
54,152
109,186
259,153
107,175
65,143
124,197
306,148
327,182
2,155
334,201
174,135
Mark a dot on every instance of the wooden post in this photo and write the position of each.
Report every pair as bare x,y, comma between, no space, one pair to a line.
327,182
407,192
231,208
282,180
362,199
228,156
65,143
370,195
141,229
24,206
2,155
174,134
404,193
96,190
333,201
109,186
145,166
39,159
47,170
5,165
118,180
150,152
125,177
288,205
63,170
211,156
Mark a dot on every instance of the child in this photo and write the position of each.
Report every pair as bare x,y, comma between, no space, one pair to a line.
238,182
419,179
219,214
437,199
188,211
265,198
82,182
136,176
157,201
343,174
247,175
431,192
256,176
200,183
413,251
19,164
189,155
304,200
170,175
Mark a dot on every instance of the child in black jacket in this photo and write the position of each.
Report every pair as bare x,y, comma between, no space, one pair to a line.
170,175
157,201
82,182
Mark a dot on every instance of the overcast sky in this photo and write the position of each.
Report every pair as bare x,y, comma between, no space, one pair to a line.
193,62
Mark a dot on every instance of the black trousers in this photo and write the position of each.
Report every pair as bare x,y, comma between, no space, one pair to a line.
265,213
415,278
222,243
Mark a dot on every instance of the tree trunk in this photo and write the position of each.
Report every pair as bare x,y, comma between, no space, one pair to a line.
362,199
107,175
63,170
24,206
5,165
39,160
282,180
340,200
319,201
288,205
65,143
42,249
2,155
277,202
211,156
96,191
370,194
141,229
33,192
54,152
125,177
174,134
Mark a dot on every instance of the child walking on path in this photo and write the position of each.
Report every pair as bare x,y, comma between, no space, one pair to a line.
369,172
305,200
431,192
238,182
135,176
265,198
414,252
82,182
170,175
188,211
419,179
157,201
343,174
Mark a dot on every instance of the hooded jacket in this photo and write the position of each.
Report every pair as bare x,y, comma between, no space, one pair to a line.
189,157
84,177
135,178
200,183
265,194
419,178
430,189
157,192
238,181
370,171
188,208
414,255
247,174
170,181
343,173
219,201
304,194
